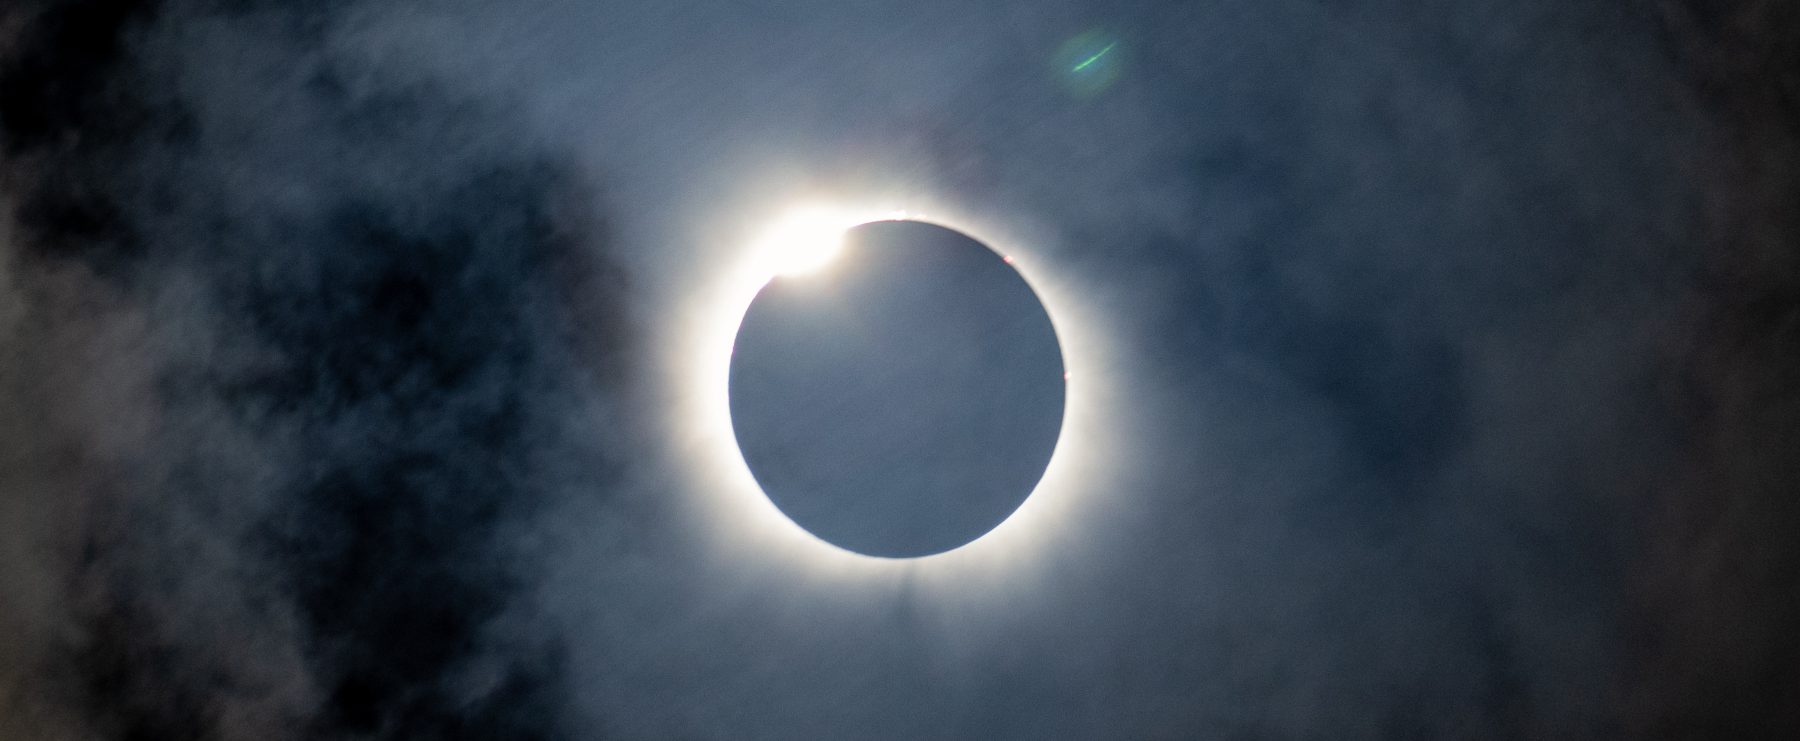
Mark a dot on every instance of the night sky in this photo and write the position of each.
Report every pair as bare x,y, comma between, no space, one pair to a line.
1435,369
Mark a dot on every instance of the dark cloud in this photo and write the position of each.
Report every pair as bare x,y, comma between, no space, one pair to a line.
1454,355
351,342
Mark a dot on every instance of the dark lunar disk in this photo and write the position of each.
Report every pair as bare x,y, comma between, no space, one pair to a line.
903,400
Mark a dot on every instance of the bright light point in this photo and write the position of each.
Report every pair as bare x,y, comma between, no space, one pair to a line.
805,240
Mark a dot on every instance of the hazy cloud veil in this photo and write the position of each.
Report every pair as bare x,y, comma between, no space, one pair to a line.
1454,348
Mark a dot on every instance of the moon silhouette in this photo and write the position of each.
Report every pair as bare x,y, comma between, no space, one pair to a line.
903,400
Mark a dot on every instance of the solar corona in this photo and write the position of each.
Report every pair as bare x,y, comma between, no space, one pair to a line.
805,240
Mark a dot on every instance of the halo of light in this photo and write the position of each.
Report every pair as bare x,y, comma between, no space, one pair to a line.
737,519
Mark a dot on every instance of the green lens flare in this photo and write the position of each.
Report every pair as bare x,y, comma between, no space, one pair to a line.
1089,63
1085,63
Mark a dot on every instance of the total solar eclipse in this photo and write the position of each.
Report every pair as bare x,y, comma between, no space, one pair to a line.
901,398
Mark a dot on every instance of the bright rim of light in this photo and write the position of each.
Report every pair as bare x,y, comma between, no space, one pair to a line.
740,522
